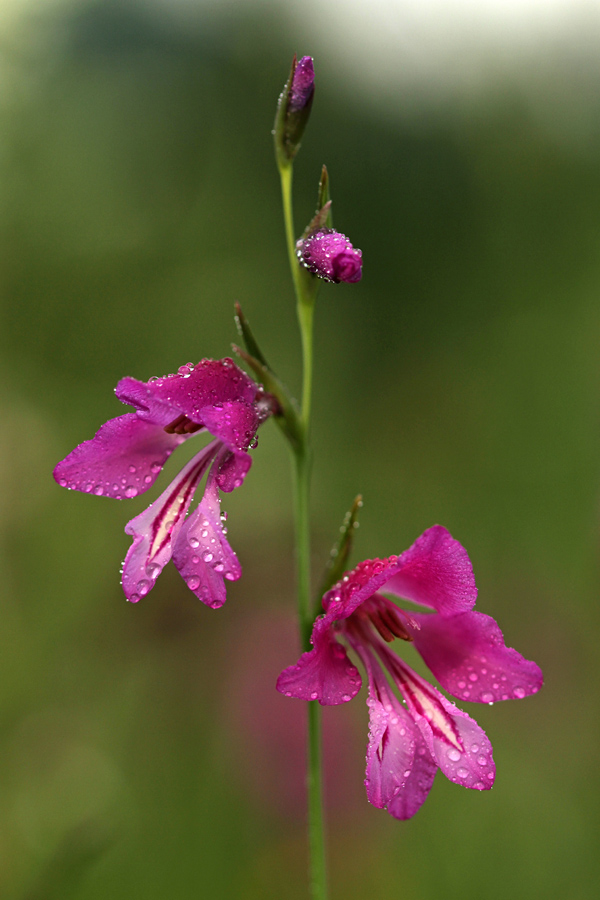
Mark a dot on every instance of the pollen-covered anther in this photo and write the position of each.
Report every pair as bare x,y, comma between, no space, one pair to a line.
388,624
182,425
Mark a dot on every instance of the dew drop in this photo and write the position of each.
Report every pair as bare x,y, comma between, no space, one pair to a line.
519,692
314,695
193,583
474,748
207,557
481,760
63,482
153,571
132,469
346,697
143,587
487,697
193,541
462,772
134,598
130,491
462,684
88,487
155,467
99,490
148,479
473,676
454,755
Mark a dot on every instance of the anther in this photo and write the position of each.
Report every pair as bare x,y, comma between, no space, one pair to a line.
182,425
388,624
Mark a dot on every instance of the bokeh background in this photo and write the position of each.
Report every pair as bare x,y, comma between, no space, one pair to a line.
144,751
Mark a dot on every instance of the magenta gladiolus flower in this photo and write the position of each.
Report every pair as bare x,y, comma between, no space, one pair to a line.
127,454
330,255
464,649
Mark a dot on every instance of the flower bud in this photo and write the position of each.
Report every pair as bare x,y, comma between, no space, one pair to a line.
293,109
330,255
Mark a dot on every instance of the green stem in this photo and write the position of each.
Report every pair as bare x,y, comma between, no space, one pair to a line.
305,290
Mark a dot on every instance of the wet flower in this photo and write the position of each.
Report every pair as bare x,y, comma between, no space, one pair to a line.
127,454
330,255
464,649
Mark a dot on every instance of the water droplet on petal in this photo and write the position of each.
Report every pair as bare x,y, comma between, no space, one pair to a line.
99,490
482,760
519,692
130,491
487,697
143,586
193,541
207,557
454,755
193,583
134,598
132,469
462,772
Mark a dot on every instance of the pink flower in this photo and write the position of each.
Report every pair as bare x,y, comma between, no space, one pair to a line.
464,649
330,255
127,454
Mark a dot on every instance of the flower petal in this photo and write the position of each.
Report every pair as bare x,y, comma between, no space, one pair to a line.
457,743
469,658
233,469
324,673
214,393
411,797
392,735
436,571
123,459
202,553
155,530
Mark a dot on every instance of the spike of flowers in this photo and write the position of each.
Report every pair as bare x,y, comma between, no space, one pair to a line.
330,255
127,454
464,649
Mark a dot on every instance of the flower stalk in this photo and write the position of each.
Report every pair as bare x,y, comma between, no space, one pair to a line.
305,288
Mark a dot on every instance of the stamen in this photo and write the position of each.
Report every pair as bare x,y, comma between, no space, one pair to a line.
388,624
182,425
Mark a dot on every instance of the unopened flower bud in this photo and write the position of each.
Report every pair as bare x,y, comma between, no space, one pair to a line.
330,255
293,109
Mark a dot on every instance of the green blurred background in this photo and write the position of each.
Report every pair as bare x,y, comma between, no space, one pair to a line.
144,751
